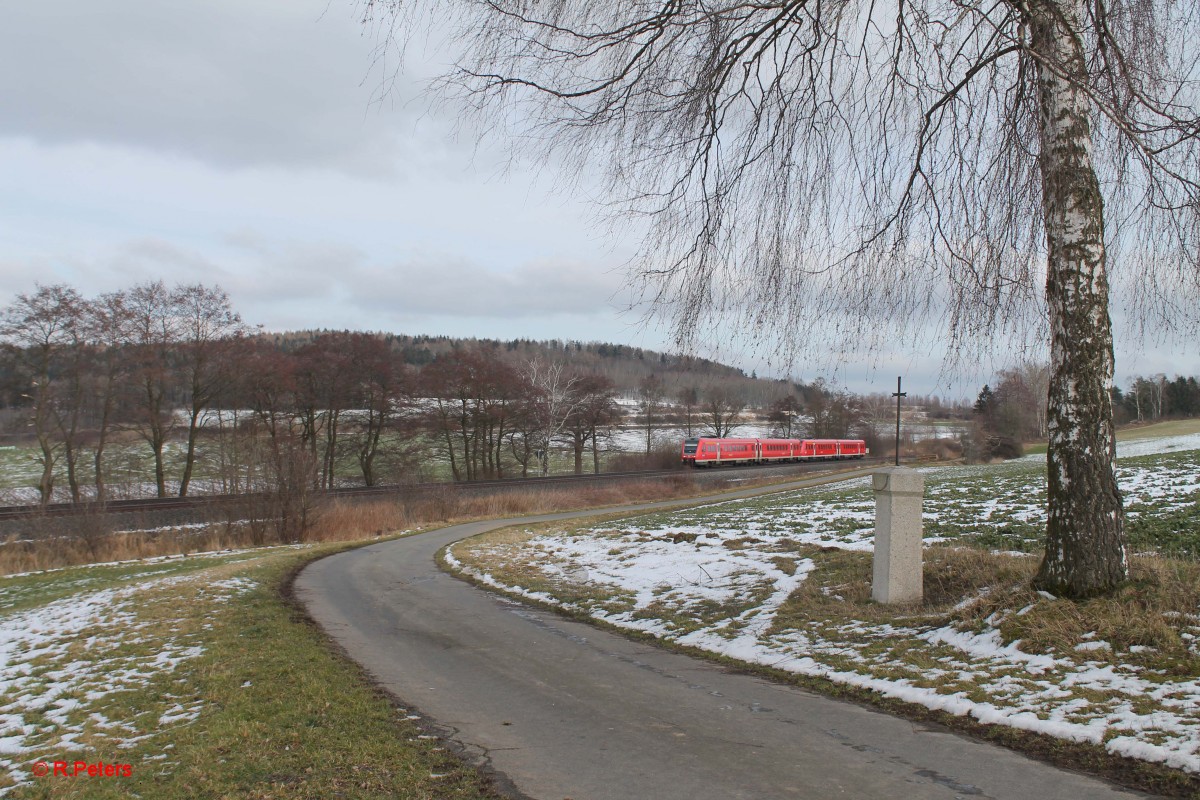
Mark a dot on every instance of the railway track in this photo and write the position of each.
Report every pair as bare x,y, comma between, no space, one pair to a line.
212,501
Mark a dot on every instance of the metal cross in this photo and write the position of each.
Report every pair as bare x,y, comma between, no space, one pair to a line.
898,394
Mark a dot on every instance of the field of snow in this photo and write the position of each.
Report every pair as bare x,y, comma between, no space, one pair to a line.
719,577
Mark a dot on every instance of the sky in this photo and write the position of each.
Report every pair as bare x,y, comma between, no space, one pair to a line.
267,148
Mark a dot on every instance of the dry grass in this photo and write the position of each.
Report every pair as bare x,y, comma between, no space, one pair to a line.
343,520
58,550
937,449
973,588
1175,427
1143,616
87,539
839,587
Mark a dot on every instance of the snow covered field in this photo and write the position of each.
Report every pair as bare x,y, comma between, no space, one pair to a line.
725,578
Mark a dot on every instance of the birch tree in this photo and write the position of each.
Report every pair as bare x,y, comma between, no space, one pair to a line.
874,165
556,400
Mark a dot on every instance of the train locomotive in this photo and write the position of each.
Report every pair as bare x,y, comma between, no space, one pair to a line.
709,452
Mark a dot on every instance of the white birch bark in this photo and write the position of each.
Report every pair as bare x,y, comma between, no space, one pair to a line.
1085,552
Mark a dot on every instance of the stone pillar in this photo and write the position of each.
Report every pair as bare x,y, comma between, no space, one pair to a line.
897,575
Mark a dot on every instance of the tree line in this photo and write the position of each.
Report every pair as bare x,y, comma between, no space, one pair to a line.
178,370
1012,410
1150,398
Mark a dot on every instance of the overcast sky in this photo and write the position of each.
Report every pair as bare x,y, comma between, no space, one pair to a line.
244,144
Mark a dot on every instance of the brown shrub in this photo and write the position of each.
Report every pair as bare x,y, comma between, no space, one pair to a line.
938,449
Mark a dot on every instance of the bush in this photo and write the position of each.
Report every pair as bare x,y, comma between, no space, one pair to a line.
982,445
938,449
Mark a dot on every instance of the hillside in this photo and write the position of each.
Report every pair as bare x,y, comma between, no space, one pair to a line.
624,365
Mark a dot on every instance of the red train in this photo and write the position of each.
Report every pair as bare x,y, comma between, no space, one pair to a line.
714,452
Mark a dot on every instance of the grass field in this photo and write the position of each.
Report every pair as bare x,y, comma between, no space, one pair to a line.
783,581
1129,433
199,677
197,674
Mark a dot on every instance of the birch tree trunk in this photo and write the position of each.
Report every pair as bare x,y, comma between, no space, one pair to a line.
1085,551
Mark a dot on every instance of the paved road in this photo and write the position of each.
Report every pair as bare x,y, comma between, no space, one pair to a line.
565,710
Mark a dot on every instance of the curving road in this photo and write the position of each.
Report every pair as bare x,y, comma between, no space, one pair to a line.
564,710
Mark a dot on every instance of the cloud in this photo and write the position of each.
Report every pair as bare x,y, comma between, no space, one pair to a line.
330,283
449,286
328,274
230,83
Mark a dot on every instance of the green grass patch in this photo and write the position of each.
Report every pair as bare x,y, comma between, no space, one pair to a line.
21,592
265,710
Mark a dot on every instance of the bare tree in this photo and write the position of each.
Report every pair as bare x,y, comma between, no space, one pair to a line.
449,380
885,161
151,333
323,393
267,384
689,398
1158,386
723,412
208,327
650,402
595,410
1036,376
69,384
835,415
104,321
39,330
523,432
1138,391
380,398
477,397
784,416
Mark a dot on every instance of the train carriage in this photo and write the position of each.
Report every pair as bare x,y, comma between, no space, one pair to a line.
705,452
711,451
772,450
853,448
